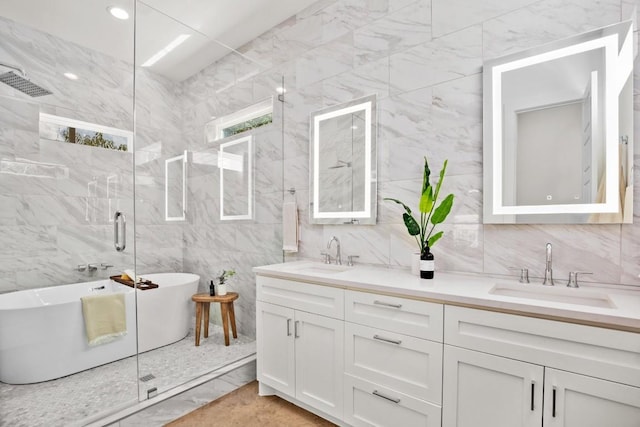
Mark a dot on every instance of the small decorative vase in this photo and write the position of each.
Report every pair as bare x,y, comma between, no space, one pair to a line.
427,264
212,289
221,289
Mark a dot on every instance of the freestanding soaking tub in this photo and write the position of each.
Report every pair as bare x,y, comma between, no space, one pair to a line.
42,333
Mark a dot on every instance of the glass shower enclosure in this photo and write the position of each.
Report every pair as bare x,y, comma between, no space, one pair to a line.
106,167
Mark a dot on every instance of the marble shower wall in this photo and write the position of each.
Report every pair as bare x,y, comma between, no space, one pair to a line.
54,209
53,195
211,245
423,59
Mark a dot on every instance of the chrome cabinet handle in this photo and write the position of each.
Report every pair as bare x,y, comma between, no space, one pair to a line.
295,329
392,399
389,340
387,304
119,218
288,327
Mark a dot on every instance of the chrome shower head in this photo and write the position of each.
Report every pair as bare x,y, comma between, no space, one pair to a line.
21,82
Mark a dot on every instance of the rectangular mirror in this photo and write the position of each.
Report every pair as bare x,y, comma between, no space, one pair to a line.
558,131
343,163
236,179
175,188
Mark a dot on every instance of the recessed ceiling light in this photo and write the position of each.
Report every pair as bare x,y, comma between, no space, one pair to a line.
168,48
118,12
71,76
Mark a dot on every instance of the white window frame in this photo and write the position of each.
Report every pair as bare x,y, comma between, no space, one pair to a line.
214,129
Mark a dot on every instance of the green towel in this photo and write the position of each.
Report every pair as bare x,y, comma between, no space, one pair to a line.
104,317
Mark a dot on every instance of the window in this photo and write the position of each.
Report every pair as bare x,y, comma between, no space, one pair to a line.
252,117
62,129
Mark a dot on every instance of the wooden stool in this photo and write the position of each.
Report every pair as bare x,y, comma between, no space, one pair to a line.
226,308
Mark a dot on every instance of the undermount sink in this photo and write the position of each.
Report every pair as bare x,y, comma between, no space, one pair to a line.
555,294
318,268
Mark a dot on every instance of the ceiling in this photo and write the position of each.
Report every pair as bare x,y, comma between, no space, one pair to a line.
215,27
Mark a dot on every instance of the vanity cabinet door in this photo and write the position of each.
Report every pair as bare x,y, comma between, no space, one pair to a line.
573,400
485,390
319,347
275,347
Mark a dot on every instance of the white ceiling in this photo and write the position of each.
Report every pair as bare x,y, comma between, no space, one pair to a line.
214,26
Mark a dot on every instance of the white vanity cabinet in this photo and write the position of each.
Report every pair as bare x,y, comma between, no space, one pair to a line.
393,373
300,342
507,370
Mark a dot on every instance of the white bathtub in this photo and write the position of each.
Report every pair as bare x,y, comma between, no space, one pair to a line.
42,335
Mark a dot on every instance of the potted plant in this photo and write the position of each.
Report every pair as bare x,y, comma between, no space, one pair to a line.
221,286
431,214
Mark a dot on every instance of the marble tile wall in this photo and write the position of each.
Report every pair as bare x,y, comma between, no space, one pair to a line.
211,245
424,60
53,222
56,213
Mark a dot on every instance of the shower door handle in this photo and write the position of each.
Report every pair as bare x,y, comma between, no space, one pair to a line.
119,219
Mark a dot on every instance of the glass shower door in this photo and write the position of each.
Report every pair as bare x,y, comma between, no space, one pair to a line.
66,168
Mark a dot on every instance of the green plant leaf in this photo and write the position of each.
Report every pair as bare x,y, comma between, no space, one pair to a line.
412,225
426,200
442,172
406,208
441,212
433,239
425,175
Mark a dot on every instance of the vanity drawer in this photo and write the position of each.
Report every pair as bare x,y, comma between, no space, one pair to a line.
420,319
367,404
318,299
598,352
407,364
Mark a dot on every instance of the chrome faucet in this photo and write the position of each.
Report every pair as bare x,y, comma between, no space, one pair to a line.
338,256
548,271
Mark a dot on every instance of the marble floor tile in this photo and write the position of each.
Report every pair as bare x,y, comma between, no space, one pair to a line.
82,396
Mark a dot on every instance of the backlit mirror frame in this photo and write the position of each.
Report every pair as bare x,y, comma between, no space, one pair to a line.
226,160
168,194
366,216
617,42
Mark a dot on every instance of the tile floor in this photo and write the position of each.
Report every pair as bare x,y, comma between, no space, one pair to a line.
177,406
72,399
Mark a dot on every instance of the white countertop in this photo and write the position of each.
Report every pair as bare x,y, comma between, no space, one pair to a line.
476,291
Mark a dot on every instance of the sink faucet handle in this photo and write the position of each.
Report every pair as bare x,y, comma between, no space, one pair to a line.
573,278
350,259
326,257
524,274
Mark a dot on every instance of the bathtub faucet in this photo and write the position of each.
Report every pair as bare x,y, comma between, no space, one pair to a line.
92,267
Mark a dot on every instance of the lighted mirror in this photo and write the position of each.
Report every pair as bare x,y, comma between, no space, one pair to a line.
558,131
175,190
236,179
343,163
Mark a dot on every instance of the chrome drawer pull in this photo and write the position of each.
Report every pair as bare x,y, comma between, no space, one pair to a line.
387,304
389,340
288,327
392,399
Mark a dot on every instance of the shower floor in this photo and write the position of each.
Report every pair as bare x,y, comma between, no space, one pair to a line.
117,385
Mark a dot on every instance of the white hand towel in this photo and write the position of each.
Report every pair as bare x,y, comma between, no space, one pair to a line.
290,227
